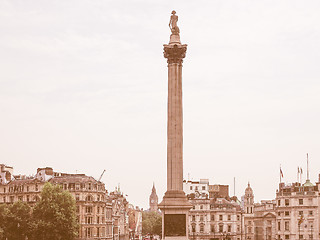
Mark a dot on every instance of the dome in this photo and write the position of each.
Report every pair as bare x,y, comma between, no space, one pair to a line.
248,190
308,184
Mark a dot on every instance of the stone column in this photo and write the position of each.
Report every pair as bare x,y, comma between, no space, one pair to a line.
175,205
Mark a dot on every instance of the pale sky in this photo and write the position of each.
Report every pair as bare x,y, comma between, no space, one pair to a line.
83,87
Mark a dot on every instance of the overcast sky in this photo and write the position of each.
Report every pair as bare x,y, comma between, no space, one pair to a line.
83,87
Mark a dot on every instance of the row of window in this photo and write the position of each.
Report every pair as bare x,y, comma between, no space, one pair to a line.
219,228
215,218
81,186
99,232
301,201
89,220
90,198
21,188
287,226
301,213
196,188
26,198
310,236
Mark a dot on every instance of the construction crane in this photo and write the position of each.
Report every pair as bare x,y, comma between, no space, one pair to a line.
101,175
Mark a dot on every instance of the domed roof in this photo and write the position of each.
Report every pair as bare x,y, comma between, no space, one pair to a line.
308,183
248,190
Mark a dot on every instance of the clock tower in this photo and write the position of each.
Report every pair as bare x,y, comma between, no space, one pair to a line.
153,200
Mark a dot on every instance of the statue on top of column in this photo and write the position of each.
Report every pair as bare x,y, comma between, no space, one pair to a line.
173,23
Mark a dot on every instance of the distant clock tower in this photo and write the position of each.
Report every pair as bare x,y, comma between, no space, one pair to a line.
153,200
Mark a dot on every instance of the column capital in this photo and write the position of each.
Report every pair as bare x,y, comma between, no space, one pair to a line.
174,52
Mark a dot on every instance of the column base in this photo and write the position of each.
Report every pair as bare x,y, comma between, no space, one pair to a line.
175,214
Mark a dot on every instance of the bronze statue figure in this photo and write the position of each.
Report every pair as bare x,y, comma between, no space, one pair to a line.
173,23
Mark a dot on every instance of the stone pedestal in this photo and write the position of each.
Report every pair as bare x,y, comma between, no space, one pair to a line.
175,205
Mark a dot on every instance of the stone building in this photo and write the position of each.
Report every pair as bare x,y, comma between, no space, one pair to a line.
297,211
248,209
264,220
93,210
153,200
214,217
120,215
199,188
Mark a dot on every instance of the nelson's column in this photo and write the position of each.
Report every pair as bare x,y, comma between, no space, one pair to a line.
174,206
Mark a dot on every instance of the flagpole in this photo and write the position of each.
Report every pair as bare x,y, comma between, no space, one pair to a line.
307,167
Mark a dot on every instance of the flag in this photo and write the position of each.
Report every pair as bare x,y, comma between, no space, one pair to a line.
301,170
298,170
281,173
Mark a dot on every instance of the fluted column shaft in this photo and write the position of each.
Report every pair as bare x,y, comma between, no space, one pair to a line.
175,53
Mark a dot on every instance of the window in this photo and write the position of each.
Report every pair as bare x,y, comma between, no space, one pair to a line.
300,213
286,226
229,217
221,228
212,228
286,236
279,226
310,213
196,188
229,228
300,236
201,218
201,228
212,217
88,232
98,209
88,220
279,202
190,187
77,197
88,209
286,202
4,199
193,217
238,228
238,217
201,206
249,222
300,201
203,187
286,213
193,228
279,214
220,217
98,232
98,219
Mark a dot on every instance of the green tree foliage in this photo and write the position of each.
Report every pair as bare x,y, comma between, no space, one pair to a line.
15,221
55,215
151,223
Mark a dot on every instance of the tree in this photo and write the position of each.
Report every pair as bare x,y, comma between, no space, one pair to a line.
15,221
55,215
151,223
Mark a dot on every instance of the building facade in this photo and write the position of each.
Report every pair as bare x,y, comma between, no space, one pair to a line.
101,215
213,217
297,211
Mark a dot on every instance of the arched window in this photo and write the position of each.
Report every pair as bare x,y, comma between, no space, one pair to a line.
89,198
